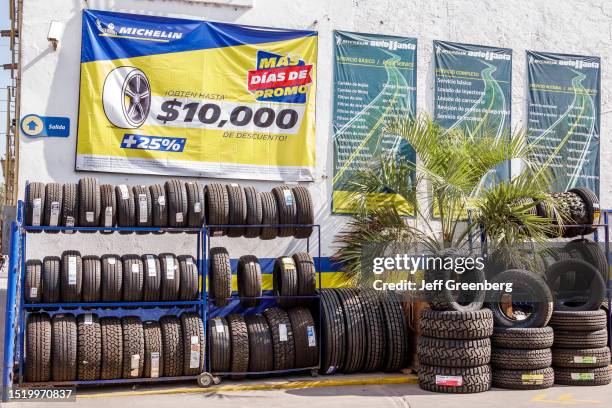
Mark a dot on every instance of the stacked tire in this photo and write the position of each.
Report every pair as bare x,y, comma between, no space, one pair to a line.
580,355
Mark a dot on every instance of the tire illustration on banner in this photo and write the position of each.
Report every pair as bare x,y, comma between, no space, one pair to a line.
126,97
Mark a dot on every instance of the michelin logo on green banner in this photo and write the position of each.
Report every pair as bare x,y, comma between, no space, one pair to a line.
374,80
564,116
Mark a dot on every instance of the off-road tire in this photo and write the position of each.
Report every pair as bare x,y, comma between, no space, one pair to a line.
578,340
587,320
398,355
70,206
451,324
35,191
133,344
89,347
38,348
601,376
237,209
133,278
112,348
53,197
254,212
524,379
188,278
521,359
305,211
269,216
152,344
64,347
89,202
475,379
112,278
581,358
591,204
126,206
287,210
172,338
195,204
71,293
152,278
249,280
92,279
51,279
143,206
177,203
217,208
170,277
239,344
523,338
192,326
261,350
376,333
453,353
285,280
33,281
220,276
108,206
159,202
333,336
219,345
282,340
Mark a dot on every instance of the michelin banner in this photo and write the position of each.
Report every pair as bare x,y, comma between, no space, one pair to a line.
196,98
374,80
564,115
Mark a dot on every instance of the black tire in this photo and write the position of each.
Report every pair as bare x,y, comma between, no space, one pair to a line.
239,344
193,343
451,324
89,347
287,210
112,278
177,203
53,205
195,204
581,358
591,204
254,212
596,289
35,204
376,334
283,343
445,299
108,206
133,347
159,201
188,278
260,343
143,206
453,353
112,348
521,359
170,277
237,209
522,282
579,340
523,338
473,379
38,348
285,280
269,216
92,278
220,276
133,278
305,211
217,208
172,337
306,274
591,252
89,202
398,353
249,280
51,279
582,376
71,277
588,320
64,347
153,354
219,345
126,206
305,337
152,278
524,379
333,336
33,281
70,206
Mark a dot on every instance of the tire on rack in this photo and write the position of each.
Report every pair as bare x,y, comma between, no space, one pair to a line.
71,277
581,358
112,278
51,279
219,345
89,347
333,335
172,341
189,278
143,207
108,206
376,334
35,204
354,321
587,320
473,379
89,202
33,281
591,204
524,379
591,252
237,209
521,359
38,348
152,278
453,353
580,340
220,276
306,275
92,277
64,347
193,343
177,203
153,350
133,347
283,344
249,280
398,355
269,216
126,207
239,341
287,210
523,338
260,343
133,280
254,212
582,376
195,204
285,280
70,206
112,348
596,286
53,205
451,324
305,211
170,277
159,211
305,337
217,208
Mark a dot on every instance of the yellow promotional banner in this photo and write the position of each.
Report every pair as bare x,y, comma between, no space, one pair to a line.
195,98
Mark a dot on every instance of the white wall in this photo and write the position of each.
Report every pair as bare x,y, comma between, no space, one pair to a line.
50,79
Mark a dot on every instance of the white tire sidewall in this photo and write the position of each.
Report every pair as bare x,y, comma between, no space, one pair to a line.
113,96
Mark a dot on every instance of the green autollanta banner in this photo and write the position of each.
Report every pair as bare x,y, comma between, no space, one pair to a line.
374,80
472,90
564,116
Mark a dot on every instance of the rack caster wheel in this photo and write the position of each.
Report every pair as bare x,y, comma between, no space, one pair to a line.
216,380
205,380
314,373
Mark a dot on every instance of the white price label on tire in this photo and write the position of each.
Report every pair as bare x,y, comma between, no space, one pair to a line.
88,318
449,380
194,355
161,200
89,216
282,332
312,340
582,376
135,268
151,266
143,208
197,207
108,217
179,217
69,223
170,268
154,364
72,270
33,292
134,365
585,359
288,197
124,192
55,213
219,326
36,211
112,261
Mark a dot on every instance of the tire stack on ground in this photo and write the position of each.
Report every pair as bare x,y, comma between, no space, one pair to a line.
580,355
